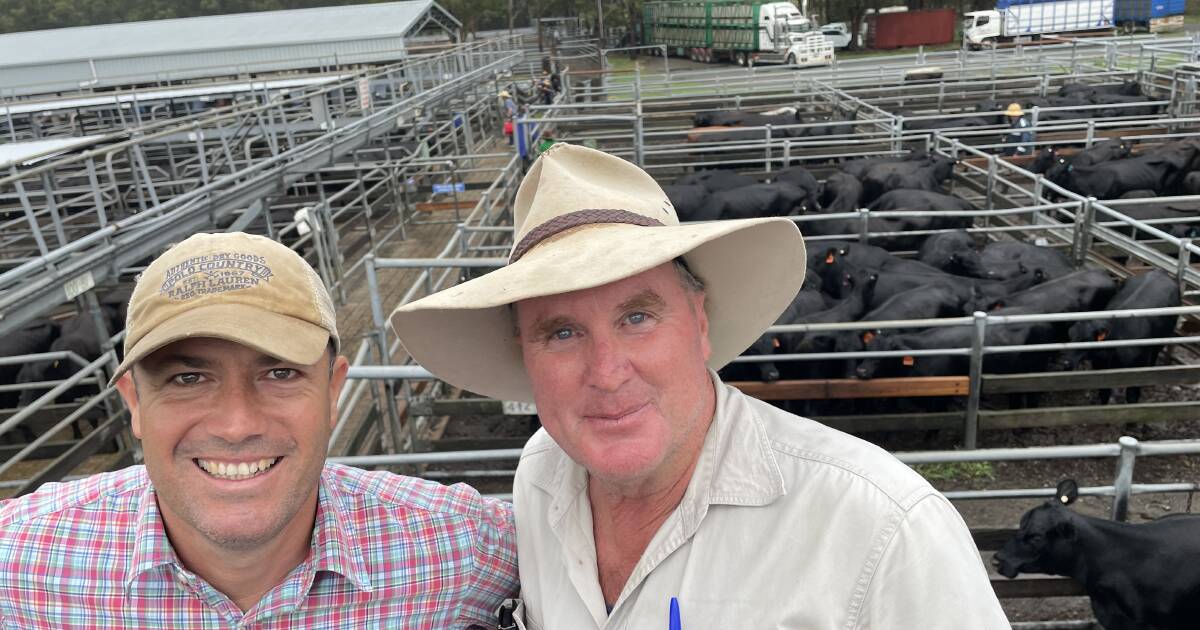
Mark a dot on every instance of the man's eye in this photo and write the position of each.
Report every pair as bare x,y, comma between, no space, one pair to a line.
187,378
562,334
636,318
282,374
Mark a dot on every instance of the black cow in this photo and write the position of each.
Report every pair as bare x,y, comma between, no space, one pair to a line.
800,177
1085,290
35,337
715,180
754,201
1126,88
840,192
922,303
924,174
1139,577
688,199
945,338
78,335
1007,259
858,287
833,259
952,252
966,289
1155,289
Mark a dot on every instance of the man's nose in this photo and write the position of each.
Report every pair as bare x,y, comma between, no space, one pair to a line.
608,364
237,414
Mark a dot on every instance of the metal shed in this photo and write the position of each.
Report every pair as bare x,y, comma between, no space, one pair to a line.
109,55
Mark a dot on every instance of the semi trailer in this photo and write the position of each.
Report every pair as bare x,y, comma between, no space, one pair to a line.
741,31
1031,20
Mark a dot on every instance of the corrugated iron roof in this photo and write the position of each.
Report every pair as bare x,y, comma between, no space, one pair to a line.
216,32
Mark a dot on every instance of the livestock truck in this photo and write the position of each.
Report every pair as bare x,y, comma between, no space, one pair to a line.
1031,19
745,32
1149,15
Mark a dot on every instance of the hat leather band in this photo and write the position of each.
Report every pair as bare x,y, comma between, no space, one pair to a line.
577,218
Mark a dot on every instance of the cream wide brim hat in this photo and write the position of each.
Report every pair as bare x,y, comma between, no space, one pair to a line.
583,219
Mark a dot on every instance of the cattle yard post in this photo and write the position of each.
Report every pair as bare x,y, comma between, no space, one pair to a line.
991,183
638,140
1081,241
385,399
1182,264
1091,133
864,225
975,390
767,149
1123,484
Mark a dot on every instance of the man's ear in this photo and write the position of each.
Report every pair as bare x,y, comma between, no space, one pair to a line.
337,380
128,390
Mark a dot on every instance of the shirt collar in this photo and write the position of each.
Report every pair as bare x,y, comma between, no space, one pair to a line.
333,548
737,465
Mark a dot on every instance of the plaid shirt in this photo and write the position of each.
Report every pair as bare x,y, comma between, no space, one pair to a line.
387,552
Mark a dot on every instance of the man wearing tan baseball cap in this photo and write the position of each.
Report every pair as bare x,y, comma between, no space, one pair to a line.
231,375
655,495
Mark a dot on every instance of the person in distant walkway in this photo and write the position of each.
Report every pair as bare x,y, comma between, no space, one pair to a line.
1018,140
231,376
508,109
653,482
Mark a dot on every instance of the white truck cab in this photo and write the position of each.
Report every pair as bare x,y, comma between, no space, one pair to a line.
979,27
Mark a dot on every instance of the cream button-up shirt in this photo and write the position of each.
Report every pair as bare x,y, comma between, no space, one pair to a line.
785,523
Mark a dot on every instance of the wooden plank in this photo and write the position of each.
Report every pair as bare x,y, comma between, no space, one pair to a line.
1092,379
1037,587
829,389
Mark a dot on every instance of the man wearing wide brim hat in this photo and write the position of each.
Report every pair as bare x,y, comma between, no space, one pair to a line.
1018,140
652,481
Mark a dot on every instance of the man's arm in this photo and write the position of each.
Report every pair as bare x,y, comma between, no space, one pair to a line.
494,576
931,576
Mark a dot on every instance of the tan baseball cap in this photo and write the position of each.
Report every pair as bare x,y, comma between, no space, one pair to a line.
239,287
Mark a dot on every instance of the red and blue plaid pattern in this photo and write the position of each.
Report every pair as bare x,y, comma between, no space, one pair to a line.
387,552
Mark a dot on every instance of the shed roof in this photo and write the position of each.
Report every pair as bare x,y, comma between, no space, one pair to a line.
216,32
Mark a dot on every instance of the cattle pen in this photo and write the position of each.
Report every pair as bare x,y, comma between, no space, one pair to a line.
392,183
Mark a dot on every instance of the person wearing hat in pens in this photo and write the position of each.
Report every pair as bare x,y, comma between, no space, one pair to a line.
231,375
652,480
510,113
1018,140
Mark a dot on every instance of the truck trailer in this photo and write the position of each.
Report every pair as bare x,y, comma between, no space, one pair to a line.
742,31
1030,19
1149,15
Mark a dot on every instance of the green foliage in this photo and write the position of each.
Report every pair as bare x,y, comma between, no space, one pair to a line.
956,471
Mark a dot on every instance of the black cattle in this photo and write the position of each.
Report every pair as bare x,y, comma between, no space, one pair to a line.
924,174
1129,105
1155,289
1126,88
1138,576
1181,219
79,335
715,180
1008,259
1058,167
840,192
966,289
35,337
833,259
799,177
922,303
757,200
858,287
806,302
688,199
919,200
1085,290
1160,169
859,167
1191,183
952,252
945,338
741,118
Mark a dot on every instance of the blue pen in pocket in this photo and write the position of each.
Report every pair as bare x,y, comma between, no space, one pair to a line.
674,623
